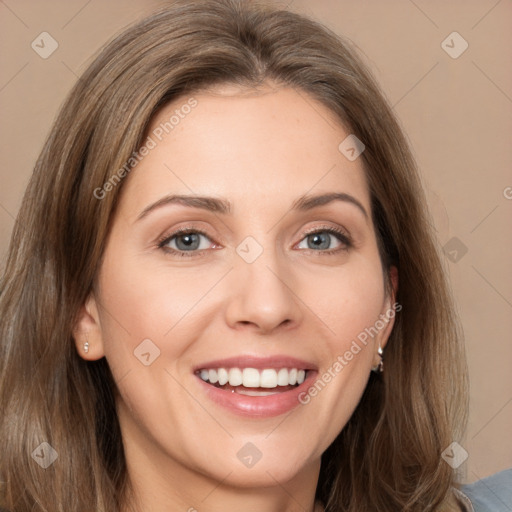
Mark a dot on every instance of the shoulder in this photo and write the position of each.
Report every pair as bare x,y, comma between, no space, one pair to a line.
492,494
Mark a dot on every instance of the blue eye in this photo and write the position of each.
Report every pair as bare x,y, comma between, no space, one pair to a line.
186,241
191,242
328,240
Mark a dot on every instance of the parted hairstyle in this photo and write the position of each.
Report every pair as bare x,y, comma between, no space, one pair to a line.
388,456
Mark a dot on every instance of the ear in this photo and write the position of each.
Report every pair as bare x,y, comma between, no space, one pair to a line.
387,315
87,331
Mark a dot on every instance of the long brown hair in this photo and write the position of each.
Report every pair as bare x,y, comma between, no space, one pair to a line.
388,456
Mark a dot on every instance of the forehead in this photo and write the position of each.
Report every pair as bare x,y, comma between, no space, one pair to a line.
273,143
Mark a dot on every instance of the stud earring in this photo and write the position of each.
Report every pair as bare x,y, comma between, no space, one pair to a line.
380,367
86,347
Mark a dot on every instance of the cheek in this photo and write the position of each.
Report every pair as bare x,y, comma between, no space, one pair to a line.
348,301
142,301
349,304
148,322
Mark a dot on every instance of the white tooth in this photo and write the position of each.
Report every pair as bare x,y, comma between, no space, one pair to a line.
268,379
235,377
223,376
282,377
251,378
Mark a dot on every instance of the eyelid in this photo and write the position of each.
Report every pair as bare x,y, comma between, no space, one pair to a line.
342,234
163,240
326,227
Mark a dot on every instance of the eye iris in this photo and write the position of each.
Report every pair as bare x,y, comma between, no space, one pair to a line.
187,242
191,241
319,241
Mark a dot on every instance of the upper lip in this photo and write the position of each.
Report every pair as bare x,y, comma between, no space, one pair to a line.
260,363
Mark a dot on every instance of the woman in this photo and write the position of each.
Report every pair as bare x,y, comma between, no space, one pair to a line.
223,240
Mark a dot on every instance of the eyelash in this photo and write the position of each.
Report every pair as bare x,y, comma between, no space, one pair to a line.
181,231
339,234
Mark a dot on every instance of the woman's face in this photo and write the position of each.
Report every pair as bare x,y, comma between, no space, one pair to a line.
243,240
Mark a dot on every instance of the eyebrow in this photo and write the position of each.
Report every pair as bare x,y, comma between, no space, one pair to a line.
218,205
306,202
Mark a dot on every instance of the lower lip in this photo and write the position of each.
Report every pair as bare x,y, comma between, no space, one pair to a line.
258,406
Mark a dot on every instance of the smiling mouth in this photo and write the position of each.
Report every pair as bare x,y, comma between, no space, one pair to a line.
253,382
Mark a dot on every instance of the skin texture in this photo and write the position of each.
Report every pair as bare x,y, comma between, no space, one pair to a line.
260,150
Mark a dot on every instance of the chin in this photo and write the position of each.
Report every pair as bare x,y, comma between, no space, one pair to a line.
261,475
278,467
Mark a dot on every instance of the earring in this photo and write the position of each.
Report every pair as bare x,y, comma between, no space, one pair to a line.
86,347
380,367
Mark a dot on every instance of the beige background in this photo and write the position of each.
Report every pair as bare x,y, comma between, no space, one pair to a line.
456,112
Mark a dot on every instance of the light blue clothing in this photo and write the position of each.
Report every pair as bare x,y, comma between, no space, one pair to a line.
492,494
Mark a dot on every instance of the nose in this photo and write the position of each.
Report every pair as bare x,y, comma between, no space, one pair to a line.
262,298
